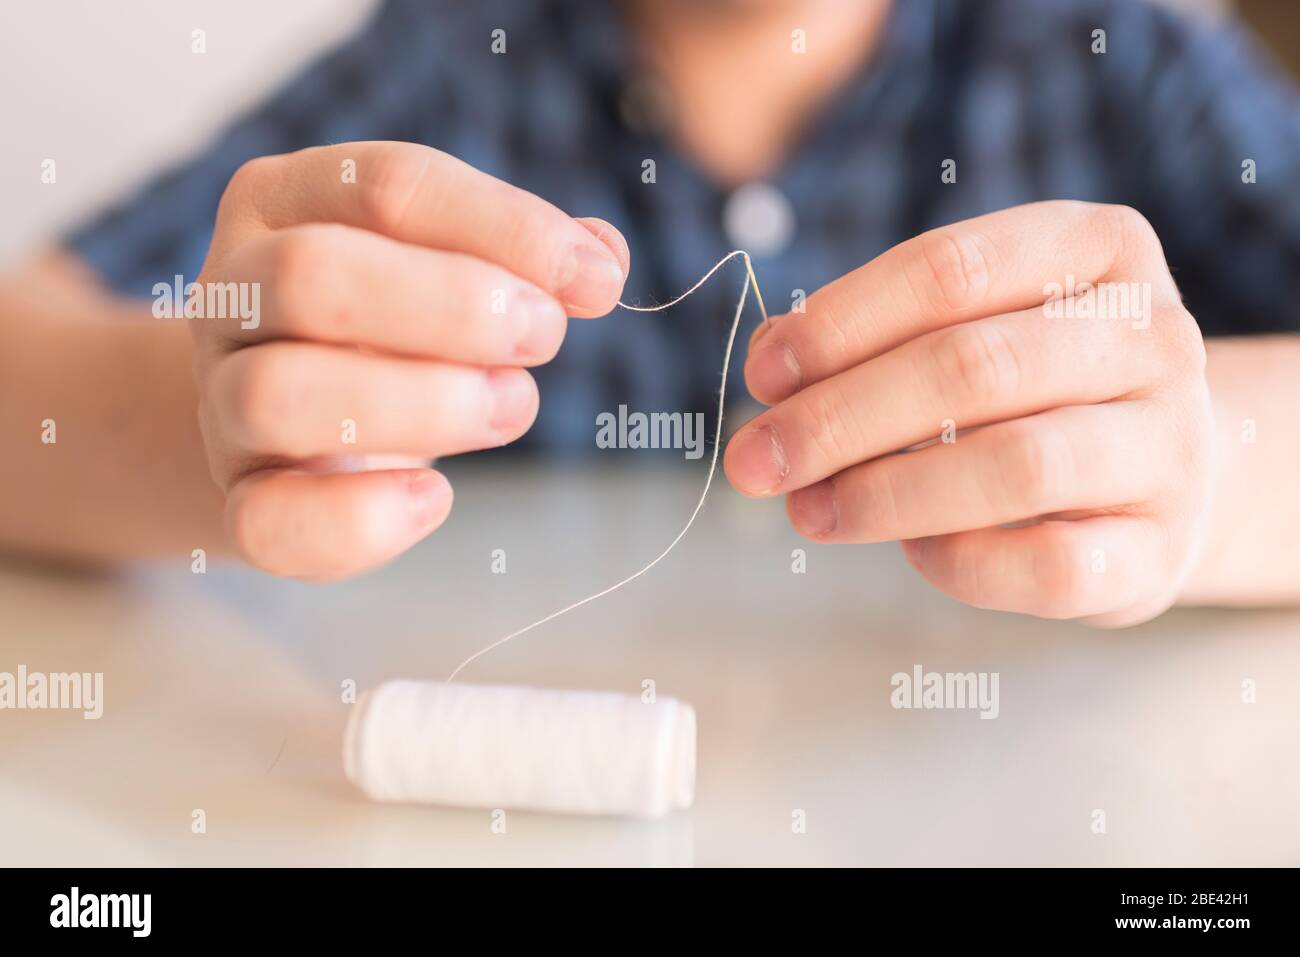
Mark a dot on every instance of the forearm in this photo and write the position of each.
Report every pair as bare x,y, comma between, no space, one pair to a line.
1252,552
102,456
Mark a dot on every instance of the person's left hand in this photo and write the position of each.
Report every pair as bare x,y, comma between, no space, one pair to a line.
1083,485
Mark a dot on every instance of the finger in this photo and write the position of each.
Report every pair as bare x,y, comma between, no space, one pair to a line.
1075,458
1001,262
971,374
611,237
334,283
1056,569
420,195
300,400
324,527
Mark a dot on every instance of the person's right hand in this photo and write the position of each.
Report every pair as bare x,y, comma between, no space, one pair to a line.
397,315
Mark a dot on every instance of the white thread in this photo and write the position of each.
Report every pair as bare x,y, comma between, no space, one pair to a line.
750,279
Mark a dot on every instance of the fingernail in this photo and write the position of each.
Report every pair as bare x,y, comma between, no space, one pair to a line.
612,238
425,495
590,279
512,398
756,462
772,372
814,509
538,323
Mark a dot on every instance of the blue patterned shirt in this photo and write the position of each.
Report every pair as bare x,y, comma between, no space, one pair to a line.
1010,89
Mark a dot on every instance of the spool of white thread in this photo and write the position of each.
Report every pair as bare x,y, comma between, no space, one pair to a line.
528,749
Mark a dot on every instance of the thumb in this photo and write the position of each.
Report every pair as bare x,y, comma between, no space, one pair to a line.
612,238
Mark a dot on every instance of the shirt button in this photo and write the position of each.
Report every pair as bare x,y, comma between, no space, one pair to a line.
759,219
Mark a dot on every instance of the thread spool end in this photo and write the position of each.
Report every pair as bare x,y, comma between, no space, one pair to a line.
352,739
683,765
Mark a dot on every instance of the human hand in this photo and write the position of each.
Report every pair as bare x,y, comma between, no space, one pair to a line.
398,313
1082,488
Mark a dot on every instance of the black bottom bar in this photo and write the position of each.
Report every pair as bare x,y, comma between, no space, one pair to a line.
362,906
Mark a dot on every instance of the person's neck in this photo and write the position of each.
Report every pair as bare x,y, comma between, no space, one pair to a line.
742,93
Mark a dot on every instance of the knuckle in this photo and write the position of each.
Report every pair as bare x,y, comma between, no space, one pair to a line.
1183,339
1035,468
838,329
525,235
1129,233
297,270
829,428
976,364
879,503
251,171
970,579
266,395
305,269
392,178
245,179
1131,224
954,265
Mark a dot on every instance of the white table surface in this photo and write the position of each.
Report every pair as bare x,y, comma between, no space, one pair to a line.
222,693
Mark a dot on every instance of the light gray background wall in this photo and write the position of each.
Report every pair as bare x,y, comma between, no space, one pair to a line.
111,91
